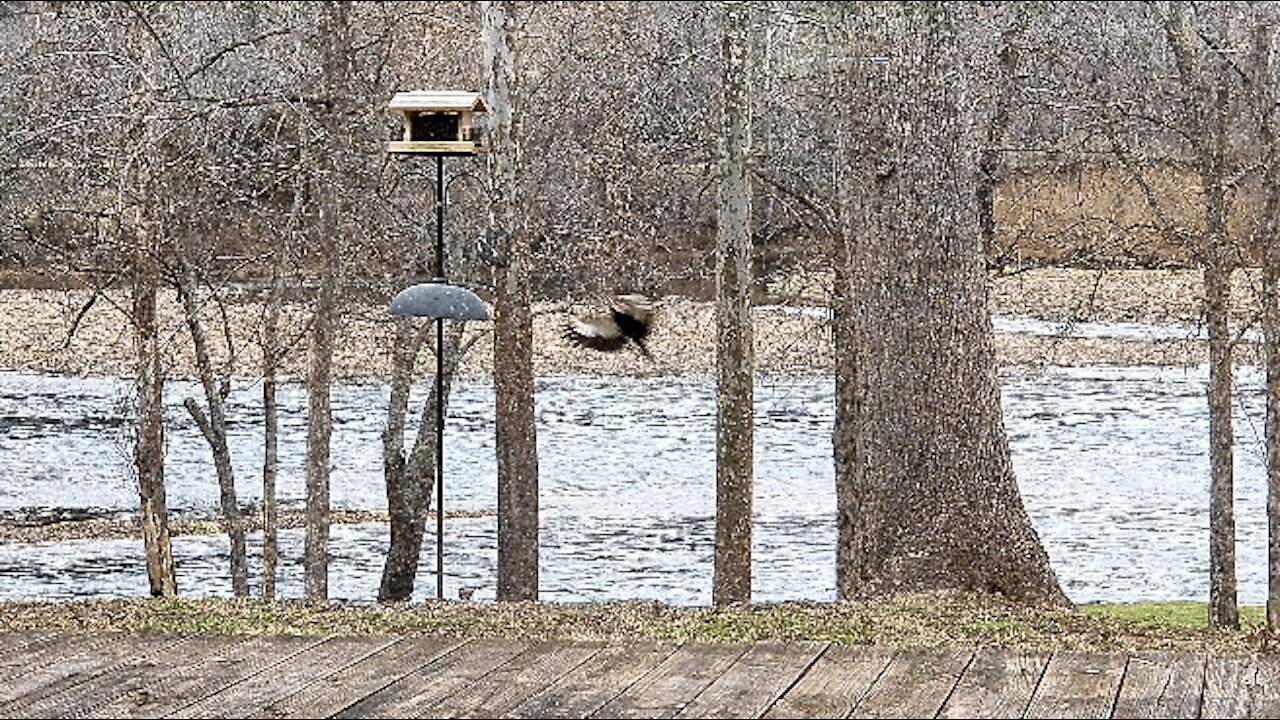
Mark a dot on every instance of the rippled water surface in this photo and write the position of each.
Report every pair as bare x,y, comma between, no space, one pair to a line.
1112,463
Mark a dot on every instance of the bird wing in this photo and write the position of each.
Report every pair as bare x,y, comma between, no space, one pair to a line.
632,314
601,333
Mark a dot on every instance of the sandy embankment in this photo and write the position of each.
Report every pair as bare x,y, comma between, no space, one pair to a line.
35,330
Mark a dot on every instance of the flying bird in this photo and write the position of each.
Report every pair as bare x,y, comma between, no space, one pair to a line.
627,322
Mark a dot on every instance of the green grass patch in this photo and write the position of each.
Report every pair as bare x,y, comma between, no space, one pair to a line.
1181,616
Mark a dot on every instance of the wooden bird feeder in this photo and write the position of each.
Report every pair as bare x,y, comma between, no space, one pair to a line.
438,122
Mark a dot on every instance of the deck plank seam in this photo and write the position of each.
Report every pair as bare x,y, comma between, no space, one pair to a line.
1036,687
557,678
1115,695
871,685
680,707
237,681
395,640
393,680
423,711
959,676
637,681
1204,673
794,681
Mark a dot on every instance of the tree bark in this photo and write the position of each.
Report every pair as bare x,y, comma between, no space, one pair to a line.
1267,247
1223,610
928,497
270,435
149,446
410,481
735,364
214,428
1271,330
336,42
513,387
320,424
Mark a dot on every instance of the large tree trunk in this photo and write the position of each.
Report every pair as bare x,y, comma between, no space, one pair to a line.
148,451
927,493
734,353
513,388
214,428
409,481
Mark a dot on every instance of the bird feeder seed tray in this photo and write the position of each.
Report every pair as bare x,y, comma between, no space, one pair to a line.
438,122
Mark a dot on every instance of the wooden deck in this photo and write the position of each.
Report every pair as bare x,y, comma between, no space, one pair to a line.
129,675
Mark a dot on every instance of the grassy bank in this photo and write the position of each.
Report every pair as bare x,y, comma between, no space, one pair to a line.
914,621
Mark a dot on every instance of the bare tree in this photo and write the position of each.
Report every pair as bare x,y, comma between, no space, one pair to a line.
213,426
1199,114
409,479
149,372
1260,87
735,366
926,489
335,34
149,383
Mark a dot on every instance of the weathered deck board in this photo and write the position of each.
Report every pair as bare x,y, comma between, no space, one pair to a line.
120,675
63,647
332,694
285,678
1078,685
1264,698
586,688
997,684
1228,683
26,641
149,658
834,684
416,692
83,661
500,691
1161,686
166,692
754,682
915,684
674,682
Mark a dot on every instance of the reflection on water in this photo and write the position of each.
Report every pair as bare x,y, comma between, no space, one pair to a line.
1112,464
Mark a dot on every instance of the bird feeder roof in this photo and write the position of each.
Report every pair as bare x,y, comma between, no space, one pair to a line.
438,101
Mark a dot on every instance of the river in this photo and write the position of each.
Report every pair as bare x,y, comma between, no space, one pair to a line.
1112,463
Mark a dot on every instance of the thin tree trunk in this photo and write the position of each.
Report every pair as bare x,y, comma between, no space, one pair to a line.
214,429
270,435
735,363
337,59
1223,611
1268,253
1271,329
319,432
410,481
513,389
1205,114
149,446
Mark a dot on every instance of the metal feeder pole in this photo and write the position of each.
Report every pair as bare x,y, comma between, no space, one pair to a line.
440,200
